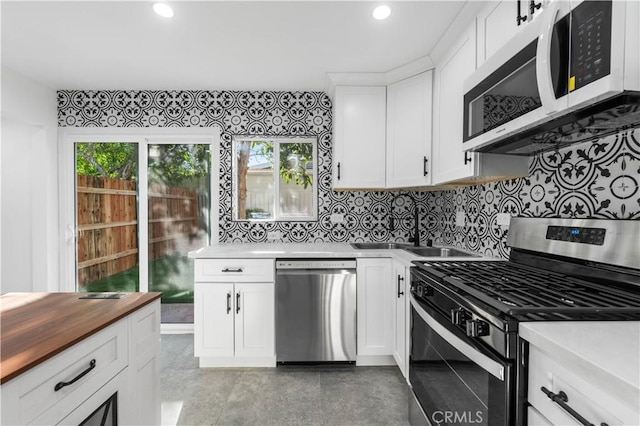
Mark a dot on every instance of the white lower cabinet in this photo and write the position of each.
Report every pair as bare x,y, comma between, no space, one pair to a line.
234,321
375,313
400,296
122,359
587,397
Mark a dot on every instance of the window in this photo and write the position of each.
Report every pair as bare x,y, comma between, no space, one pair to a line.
275,178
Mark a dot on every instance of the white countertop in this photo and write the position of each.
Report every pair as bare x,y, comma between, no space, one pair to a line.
292,250
606,349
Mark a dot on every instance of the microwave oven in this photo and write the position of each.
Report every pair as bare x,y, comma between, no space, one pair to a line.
572,75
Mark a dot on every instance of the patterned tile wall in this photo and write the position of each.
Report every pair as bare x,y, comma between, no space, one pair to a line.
591,180
252,113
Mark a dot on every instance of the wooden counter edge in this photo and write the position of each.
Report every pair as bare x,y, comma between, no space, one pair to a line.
6,374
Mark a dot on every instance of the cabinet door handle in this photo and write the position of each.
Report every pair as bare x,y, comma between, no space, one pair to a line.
424,166
60,385
338,171
232,270
533,6
561,399
237,302
519,18
467,158
228,303
400,292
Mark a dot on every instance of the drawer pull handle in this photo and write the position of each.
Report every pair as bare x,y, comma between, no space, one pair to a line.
60,385
232,270
561,399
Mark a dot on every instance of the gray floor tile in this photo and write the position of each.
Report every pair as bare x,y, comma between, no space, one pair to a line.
287,395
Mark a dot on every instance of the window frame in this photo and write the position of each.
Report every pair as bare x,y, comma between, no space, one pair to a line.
277,140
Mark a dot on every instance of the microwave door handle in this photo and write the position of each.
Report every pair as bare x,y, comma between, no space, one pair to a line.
543,60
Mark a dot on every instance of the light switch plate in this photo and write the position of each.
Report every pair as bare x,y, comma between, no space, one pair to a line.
273,235
460,219
503,219
337,218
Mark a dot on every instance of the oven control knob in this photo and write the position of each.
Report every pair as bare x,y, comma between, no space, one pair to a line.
477,328
459,316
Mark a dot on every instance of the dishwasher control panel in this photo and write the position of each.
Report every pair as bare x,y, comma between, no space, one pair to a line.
315,264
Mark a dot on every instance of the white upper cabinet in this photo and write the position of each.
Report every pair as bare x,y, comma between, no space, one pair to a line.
449,161
455,59
498,23
409,110
359,114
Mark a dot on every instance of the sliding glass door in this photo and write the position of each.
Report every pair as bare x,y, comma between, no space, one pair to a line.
139,206
107,255
179,210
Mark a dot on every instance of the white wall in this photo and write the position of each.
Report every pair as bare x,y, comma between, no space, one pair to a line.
29,186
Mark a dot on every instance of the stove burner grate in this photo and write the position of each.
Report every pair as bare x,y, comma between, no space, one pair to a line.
518,289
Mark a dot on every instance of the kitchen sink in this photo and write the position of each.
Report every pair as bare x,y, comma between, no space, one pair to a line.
438,252
380,246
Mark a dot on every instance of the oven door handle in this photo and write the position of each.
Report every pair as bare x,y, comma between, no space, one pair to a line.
490,366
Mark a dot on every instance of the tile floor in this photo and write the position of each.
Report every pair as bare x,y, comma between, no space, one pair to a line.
305,395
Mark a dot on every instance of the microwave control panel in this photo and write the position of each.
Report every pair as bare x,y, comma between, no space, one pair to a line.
590,43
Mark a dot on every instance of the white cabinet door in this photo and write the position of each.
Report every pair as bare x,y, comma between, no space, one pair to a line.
359,120
401,278
448,156
213,319
409,105
144,349
497,24
375,307
255,320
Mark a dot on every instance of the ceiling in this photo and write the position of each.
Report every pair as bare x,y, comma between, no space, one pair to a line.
213,45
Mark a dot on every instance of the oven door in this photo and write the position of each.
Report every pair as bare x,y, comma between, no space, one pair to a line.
454,380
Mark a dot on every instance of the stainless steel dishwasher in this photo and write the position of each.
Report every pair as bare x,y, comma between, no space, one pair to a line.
315,310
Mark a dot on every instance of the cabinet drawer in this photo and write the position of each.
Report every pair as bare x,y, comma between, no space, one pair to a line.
587,397
30,396
234,270
534,418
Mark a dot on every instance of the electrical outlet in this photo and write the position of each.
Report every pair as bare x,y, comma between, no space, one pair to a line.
460,219
273,235
503,219
337,218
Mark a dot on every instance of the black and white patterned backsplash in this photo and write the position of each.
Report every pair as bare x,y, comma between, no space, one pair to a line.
591,180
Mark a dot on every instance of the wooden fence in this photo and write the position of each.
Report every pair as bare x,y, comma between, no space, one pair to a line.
107,221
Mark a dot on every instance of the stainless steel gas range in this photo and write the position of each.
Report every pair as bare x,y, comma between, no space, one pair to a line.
467,364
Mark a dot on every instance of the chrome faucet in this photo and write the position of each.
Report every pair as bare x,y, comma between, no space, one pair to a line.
416,228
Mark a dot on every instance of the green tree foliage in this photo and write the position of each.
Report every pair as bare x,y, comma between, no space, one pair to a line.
107,159
294,158
171,164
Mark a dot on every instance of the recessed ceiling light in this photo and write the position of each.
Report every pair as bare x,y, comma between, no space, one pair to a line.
163,10
381,12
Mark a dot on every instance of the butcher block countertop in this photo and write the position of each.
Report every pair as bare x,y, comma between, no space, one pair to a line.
36,326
